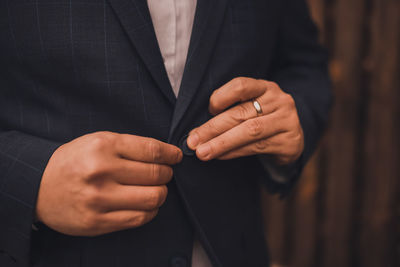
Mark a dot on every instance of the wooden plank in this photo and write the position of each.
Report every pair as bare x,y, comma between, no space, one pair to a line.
276,214
382,156
304,218
343,147
304,210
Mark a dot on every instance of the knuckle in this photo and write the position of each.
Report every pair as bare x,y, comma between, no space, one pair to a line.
157,197
93,168
144,217
161,174
299,139
140,219
163,195
136,220
240,84
298,146
240,113
147,216
90,221
290,155
101,140
156,171
266,83
273,85
261,145
289,100
254,127
153,200
169,173
155,150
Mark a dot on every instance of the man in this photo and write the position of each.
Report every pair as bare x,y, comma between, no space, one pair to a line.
130,138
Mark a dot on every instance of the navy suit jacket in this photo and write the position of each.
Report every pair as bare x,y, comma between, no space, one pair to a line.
71,67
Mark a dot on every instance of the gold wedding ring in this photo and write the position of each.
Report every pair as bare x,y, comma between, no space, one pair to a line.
257,106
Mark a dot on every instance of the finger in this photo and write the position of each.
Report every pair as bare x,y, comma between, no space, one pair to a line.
245,133
237,90
273,145
127,172
146,149
143,198
228,120
124,219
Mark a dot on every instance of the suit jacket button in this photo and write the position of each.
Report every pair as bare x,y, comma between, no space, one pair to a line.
178,261
184,147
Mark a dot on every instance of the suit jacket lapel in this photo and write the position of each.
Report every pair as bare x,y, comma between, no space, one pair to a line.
135,17
207,23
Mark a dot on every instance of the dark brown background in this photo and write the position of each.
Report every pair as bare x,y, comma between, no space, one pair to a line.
345,210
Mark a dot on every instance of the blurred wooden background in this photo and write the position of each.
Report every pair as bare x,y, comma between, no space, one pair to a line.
345,210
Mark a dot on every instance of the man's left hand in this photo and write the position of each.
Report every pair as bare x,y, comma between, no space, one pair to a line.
238,130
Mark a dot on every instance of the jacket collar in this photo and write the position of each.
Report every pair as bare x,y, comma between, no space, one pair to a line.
135,17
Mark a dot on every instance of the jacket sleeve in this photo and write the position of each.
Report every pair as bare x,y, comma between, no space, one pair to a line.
300,69
23,159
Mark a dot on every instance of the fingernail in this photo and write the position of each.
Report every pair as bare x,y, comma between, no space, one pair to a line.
193,141
203,151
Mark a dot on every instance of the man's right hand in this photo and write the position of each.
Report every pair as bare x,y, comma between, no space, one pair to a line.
105,182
